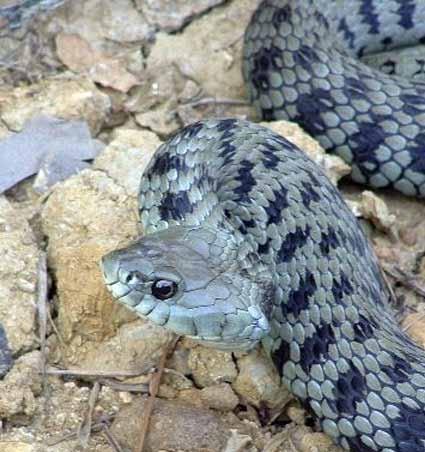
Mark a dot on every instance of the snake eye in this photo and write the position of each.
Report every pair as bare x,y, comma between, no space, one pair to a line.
163,289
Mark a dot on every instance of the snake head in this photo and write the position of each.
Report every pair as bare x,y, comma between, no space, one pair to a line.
188,280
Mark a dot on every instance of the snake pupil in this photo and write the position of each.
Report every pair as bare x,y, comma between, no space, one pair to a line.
163,289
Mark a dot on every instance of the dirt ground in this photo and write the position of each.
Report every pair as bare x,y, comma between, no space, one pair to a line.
123,76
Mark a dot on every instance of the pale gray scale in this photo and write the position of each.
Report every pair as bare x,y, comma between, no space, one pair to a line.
299,389
330,427
384,439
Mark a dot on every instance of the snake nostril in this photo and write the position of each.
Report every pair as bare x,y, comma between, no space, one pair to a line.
109,269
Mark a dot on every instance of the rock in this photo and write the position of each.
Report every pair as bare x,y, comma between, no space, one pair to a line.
374,209
414,325
179,360
258,380
136,346
18,278
85,217
53,148
63,97
17,446
105,24
173,426
126,157
214,37
301,439
334,167
86,313
161,120
171,15
78,55
211,366
20,386
220,397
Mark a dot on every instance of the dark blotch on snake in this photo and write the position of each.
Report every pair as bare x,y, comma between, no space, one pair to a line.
315,349
299,299
406,10
175,206
275,207
350,389
292,242
409,428
400,371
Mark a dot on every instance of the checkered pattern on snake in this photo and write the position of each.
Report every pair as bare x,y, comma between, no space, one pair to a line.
248,242
301,63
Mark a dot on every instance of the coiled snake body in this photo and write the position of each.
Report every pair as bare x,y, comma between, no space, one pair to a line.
247,241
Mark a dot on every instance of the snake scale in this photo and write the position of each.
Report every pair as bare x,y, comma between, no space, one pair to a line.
248,242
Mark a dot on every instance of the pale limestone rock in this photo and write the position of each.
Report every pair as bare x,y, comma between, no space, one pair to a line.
20,386
211,366
209,50
18,278
258,380
126,157
220,397
63,97
171,15
77,54
103,23
85,217
136,346
173,426
17,446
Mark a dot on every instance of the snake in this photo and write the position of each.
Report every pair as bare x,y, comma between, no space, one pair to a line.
247,243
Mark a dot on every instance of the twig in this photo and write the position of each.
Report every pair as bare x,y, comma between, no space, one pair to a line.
127,387
94,428
111,439
215,101
153,391
85,427
97,373
42,309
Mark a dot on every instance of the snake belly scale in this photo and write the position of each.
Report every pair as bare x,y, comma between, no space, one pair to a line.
248,242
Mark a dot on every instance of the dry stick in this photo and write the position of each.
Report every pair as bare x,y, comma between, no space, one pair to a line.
97,373
54,441
153,391
42,309
111,439
216,101
85,427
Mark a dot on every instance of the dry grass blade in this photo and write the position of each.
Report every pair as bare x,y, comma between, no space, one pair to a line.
153,391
